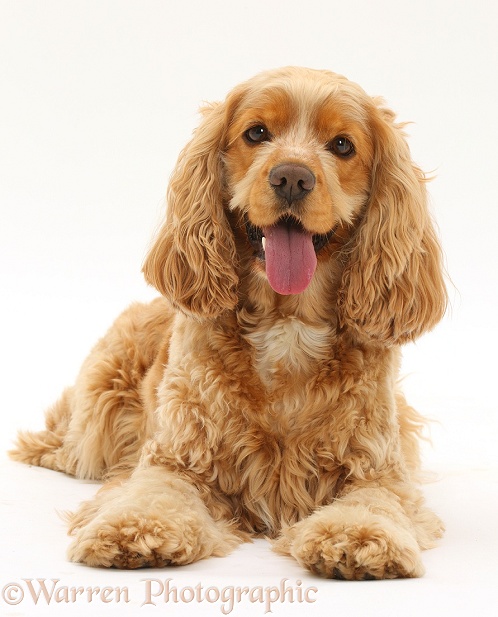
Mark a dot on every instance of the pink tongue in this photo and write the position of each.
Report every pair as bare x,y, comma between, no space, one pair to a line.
290,259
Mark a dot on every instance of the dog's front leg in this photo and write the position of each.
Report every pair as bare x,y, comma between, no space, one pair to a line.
366,534
154,518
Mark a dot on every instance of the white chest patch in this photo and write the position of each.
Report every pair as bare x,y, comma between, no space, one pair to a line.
289,345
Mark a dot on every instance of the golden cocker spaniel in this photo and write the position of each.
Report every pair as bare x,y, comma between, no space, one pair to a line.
259,396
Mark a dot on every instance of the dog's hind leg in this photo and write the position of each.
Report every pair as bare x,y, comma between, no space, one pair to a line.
44,448
98,426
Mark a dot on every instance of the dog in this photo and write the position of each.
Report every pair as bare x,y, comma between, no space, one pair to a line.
258,395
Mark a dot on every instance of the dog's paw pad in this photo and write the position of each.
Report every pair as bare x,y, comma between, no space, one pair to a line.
134,542
339,550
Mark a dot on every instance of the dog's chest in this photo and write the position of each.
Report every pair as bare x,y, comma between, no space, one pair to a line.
288,352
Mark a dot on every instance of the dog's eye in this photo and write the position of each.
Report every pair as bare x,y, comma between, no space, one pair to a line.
257,134
342,146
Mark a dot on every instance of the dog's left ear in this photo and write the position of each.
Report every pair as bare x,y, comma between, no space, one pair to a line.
393,288
192,261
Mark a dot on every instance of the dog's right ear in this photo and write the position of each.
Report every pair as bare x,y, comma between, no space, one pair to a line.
192,261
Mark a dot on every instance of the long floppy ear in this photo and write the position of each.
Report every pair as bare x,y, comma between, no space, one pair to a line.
392,288
192,260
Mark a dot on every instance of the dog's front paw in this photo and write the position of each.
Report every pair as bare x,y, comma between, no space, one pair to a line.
353,543
152,519
133,541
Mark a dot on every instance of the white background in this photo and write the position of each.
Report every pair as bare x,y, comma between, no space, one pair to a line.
96,100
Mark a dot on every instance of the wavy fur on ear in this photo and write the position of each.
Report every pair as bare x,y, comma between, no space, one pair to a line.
392,286
192,260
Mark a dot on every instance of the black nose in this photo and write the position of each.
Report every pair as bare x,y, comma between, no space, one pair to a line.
291,181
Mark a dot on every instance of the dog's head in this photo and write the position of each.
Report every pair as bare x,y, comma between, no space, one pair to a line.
301,184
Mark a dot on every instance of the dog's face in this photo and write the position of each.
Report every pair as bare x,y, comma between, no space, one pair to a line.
298,166
299,184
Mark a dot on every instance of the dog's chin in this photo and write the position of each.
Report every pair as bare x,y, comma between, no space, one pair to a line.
288,253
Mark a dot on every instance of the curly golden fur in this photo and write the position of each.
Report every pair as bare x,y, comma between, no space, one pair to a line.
260,395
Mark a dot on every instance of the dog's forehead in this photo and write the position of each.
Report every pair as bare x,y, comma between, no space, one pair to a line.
312,97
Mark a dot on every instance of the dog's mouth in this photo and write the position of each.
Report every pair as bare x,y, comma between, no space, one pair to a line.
289,253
